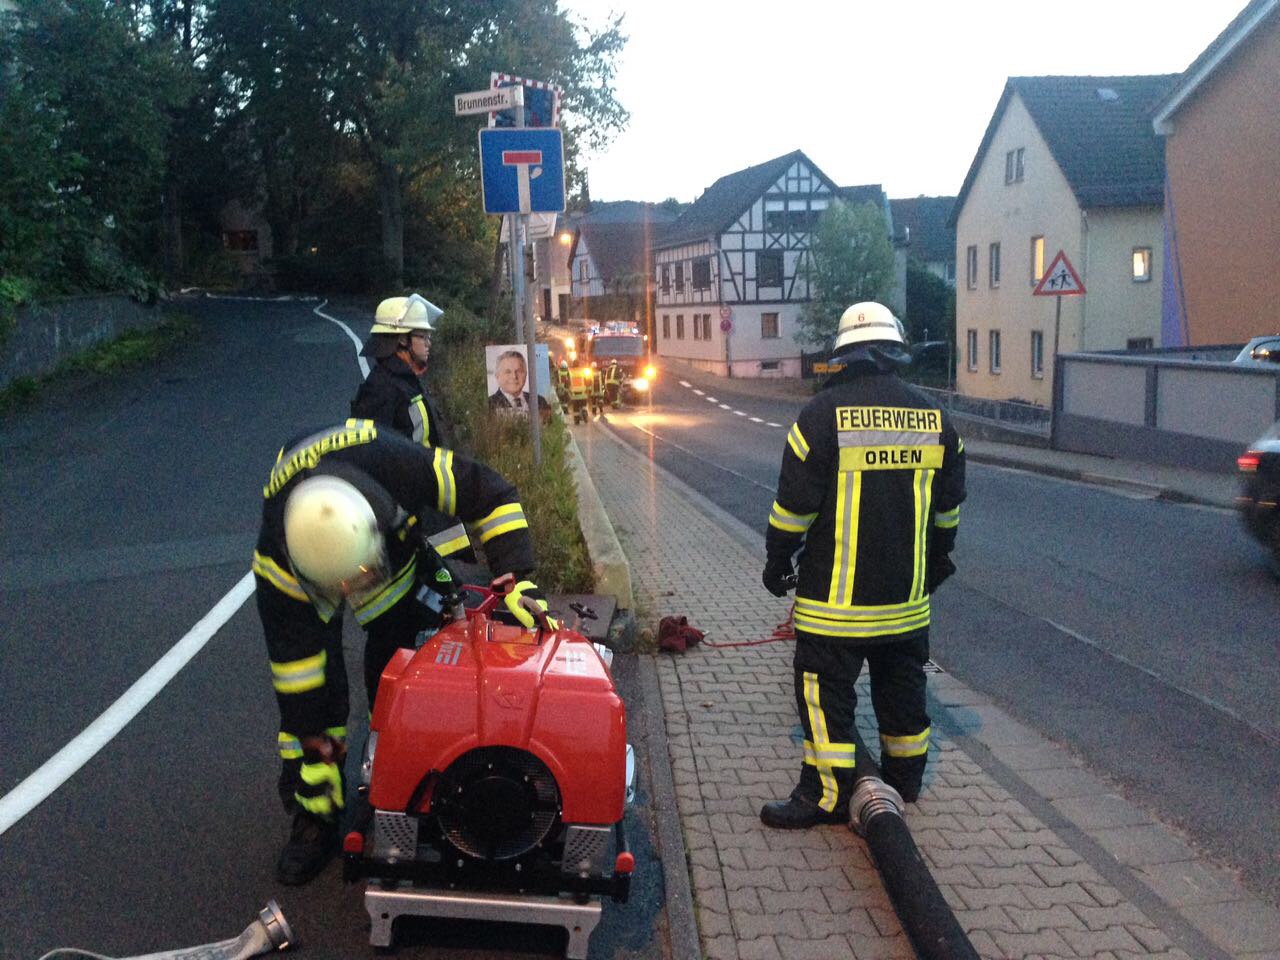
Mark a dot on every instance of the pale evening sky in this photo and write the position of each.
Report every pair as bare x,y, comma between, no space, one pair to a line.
895,93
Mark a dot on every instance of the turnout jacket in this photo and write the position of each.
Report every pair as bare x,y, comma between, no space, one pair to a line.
870,488
407,479
393,395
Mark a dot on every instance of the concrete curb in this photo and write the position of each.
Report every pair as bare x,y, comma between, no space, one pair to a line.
609,564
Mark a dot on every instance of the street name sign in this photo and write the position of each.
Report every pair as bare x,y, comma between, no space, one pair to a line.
1060,280
522,170
486,101
541,102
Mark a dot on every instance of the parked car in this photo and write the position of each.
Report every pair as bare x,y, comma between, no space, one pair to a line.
1260,350
1260,472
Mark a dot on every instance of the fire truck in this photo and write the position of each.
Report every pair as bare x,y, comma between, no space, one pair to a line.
625,344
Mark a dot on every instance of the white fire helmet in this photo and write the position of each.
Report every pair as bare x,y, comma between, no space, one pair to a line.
332,537
405,315
866,322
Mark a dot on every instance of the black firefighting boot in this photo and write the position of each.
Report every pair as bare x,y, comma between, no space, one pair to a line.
313,841
800,813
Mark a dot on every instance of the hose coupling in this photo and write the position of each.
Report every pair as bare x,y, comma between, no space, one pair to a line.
872,797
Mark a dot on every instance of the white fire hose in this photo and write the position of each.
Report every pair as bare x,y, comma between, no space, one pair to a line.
268,932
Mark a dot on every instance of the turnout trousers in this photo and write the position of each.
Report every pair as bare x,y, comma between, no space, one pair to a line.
397,627
826,671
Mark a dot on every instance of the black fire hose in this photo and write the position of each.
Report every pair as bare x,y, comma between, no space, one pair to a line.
875,812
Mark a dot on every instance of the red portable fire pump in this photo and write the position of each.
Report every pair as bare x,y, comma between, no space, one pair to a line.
495,778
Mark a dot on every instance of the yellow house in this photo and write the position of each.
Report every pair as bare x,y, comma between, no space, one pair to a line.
1066,164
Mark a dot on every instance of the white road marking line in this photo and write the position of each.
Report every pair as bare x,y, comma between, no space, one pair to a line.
685,383
755,419
739,413
710,399
59,768
698,392
364,364
772,424
725,406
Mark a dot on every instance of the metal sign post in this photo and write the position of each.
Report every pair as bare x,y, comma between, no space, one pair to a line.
1060,280
522,171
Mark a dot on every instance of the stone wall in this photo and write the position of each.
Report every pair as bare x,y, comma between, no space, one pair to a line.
51,331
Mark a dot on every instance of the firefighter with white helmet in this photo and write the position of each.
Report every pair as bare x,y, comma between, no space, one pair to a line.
340,526
394,393
869,490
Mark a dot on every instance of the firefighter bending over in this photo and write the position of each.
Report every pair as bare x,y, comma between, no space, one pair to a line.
340,525
871,484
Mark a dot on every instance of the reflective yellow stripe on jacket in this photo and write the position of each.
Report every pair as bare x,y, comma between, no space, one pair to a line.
799,445
384,599
421,421
847,620
785,520
508,517
278,577
447,487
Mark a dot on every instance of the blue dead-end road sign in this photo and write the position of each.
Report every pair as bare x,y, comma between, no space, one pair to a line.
522,170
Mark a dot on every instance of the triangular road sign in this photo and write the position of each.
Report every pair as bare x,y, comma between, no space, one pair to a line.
1060,280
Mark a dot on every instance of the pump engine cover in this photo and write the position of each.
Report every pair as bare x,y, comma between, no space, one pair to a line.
502,734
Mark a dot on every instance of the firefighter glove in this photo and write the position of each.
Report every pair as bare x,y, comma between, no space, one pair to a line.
527,605
320,788
940,567
779,576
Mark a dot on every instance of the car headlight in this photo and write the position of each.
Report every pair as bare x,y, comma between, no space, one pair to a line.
650,372
640,384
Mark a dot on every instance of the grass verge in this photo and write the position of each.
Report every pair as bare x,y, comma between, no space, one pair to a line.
547,490
127,351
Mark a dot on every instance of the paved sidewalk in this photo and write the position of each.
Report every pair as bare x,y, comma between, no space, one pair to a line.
1037,857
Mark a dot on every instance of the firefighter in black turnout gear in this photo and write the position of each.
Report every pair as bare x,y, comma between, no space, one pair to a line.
395,395
340,525
400,343
870,489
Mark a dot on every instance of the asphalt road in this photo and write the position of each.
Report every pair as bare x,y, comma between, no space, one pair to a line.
130,510
1138,633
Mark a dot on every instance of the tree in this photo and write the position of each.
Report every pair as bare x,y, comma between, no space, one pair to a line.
401,61
82,81
931,305
851,259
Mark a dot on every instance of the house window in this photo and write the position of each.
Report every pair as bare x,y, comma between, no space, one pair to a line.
993,265
971,349
1037,353
769,326
679,278
582,270
679,320
1037,259
666,279
706,326
1141,264
993,348
666,326
769,268
1139,343
775,217
702,274
971,267
1013,166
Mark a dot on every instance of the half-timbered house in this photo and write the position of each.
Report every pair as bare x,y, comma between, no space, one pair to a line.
731,273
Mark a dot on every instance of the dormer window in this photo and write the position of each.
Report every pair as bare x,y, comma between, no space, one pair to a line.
1013,166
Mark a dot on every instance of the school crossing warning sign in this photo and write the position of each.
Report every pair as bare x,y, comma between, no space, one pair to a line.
1060,280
